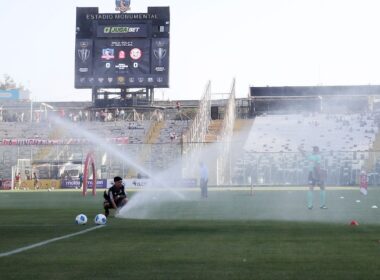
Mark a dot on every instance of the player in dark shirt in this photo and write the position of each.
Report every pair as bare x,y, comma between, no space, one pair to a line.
115,197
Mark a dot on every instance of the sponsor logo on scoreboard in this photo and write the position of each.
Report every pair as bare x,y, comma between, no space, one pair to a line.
121,29
135,30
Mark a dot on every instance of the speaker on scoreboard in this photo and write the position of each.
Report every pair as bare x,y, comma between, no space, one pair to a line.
214,112
84,27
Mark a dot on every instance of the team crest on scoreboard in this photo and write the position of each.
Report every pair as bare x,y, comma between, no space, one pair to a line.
84,51
123,5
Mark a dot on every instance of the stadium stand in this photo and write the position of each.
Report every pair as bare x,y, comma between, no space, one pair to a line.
259,147
271,151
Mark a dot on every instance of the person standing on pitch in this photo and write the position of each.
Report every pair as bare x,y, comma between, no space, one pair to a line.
316,178
80,180
363,178
18,181
203,180
35,181
115,197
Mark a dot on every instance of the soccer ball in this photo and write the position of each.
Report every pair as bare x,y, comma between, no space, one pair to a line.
81,219
100,219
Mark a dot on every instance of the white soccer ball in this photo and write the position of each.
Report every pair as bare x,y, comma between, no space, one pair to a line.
81,219
100,219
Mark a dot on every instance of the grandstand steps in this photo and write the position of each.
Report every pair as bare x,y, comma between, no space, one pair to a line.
150,138
243,125
44,152
376,143
241,130
215,128
213,131
370,163
154,132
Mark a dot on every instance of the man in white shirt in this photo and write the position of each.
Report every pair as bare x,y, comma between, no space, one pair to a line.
203,180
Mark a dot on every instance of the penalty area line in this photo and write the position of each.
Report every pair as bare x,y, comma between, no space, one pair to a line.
39,244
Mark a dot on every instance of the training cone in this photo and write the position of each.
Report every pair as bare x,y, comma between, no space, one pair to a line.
354,223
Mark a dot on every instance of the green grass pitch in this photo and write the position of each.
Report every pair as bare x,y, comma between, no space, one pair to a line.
231,235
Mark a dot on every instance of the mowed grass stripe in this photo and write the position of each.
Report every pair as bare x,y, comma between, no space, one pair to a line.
22,249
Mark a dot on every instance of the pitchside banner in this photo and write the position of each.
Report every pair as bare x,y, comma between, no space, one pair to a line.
144,183
71,141
72,184
6,184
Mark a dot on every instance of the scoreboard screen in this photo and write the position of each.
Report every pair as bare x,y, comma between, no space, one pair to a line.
122,50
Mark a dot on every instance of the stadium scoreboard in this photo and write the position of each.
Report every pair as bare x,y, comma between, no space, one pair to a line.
128,50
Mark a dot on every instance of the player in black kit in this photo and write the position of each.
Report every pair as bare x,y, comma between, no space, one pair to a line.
115,197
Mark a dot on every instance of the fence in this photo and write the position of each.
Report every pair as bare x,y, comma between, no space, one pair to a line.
342,168
168,159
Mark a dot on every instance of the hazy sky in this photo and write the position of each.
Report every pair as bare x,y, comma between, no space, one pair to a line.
259,42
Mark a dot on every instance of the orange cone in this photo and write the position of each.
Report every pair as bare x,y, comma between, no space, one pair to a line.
354,223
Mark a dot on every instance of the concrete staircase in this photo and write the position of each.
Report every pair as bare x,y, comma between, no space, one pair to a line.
150,138
243,125
370,163
213,131
45,151
154,132
241,131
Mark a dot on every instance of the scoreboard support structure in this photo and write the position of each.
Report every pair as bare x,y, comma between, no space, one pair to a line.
102,98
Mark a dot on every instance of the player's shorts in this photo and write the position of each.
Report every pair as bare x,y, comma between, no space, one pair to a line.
118,201
315,179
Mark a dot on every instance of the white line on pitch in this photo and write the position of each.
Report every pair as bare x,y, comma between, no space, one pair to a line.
22,249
